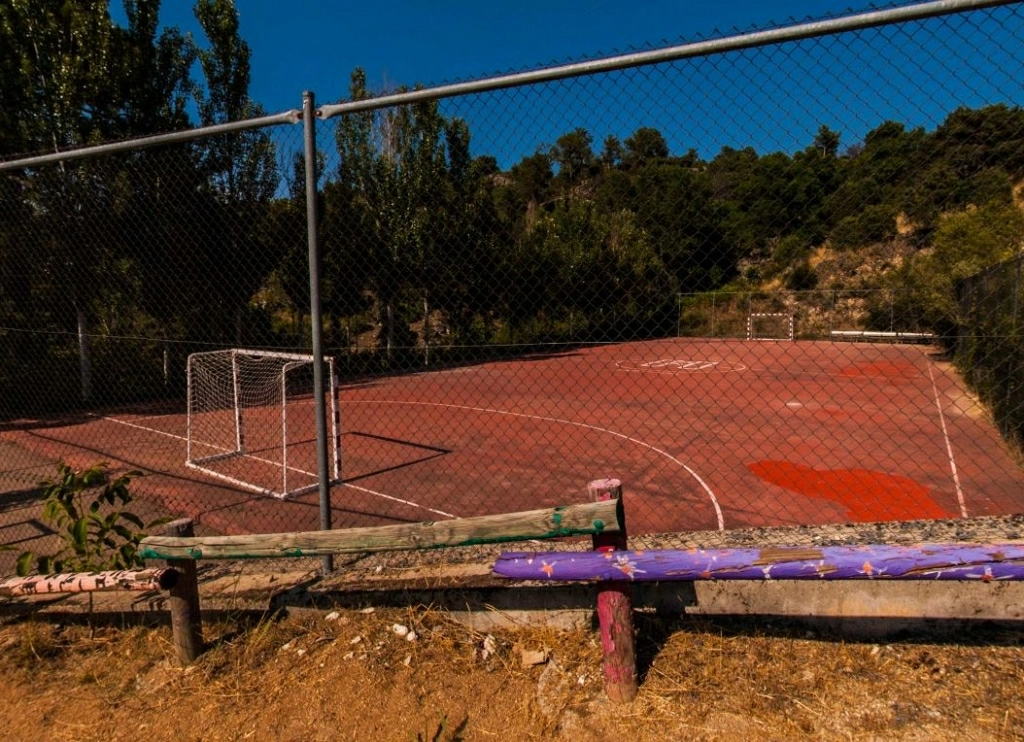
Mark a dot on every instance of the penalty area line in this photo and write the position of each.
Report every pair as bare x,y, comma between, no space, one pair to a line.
381,495
410,503
137,426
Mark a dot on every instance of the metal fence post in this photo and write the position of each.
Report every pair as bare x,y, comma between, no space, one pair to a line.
316,321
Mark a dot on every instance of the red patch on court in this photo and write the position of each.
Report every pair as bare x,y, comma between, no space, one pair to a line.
894,371
867,495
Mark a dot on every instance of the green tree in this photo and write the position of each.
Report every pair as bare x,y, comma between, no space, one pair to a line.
675,207
574,156
611,151
826,141
644,146
154,71
973,140
79,79
965,243
532,178
240,167
66,80
884,177
396,167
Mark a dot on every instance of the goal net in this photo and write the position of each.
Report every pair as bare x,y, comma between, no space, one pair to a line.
252,420
769,326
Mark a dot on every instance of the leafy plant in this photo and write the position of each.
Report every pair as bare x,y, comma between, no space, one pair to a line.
87,509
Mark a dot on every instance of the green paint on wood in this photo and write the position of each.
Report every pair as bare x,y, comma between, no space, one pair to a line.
559,522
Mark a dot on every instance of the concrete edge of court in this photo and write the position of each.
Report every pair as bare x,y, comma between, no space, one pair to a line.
866,610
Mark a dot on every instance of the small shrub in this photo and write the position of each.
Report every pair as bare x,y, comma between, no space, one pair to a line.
87,509
802,278
873,224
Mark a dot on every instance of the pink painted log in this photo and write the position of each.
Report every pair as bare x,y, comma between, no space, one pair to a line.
85,582
614,606
981,562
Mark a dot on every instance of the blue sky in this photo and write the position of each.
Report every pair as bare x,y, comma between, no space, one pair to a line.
772,99
314,44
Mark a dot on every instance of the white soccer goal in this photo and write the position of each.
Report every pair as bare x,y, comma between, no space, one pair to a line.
252,420
769,326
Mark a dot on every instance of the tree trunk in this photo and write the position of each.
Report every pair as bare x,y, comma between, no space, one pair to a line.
426,332
389,327
84,355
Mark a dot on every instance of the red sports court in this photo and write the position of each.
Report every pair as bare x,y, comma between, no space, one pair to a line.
704,434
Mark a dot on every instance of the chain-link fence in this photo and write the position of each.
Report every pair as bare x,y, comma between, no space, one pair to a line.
990,346
723,272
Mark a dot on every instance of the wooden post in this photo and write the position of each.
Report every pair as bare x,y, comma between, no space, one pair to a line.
614,607
186,618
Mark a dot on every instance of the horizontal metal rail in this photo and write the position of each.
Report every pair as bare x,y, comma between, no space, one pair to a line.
697,49
174,137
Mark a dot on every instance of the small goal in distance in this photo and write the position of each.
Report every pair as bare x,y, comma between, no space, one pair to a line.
252,420
770,326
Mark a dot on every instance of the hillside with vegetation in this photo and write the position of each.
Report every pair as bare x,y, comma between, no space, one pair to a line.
118,267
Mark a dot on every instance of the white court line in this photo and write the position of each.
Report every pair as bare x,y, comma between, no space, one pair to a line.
142,427
277,463
209,445
666,454
949,446
399,499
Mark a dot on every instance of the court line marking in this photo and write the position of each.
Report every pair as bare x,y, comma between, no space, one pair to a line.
711,495
680,365
400,500
143,427
277,463
949,446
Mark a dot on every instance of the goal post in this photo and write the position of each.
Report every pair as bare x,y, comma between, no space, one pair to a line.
770,326
252,420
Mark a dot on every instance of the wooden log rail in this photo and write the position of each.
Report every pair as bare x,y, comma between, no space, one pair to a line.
172,580
178,578
982,562
86,582
570,520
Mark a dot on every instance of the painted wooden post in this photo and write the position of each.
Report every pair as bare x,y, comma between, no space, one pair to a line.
186,617
144,580
614,606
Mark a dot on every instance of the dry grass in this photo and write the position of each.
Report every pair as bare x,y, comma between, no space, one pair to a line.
353,677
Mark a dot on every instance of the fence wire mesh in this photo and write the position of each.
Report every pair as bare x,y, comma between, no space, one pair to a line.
740,282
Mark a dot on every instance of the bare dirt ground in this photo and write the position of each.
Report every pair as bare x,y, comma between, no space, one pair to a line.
351,676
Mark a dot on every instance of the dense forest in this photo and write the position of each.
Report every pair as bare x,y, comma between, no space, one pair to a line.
113,269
